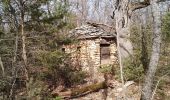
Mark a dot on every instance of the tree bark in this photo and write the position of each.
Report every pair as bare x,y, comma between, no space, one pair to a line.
147,86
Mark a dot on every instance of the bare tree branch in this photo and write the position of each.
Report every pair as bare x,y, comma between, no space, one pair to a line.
97,24
139,5
2,67
154,92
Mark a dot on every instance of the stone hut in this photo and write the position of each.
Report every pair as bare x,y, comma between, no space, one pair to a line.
96,47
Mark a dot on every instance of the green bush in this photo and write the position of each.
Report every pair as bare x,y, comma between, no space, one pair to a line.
166,26
58,98
105,68
136,65
60,68
133,70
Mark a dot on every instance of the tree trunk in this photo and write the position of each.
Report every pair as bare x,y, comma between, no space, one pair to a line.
77,92
147,87
124,46
24,55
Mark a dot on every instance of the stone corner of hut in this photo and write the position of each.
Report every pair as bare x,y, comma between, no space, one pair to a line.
96,48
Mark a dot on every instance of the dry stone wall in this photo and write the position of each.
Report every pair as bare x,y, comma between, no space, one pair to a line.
86,55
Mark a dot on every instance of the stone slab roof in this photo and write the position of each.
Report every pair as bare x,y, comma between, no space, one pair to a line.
91,31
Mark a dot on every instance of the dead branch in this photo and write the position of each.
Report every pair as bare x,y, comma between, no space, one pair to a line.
139,5
99,24
77,92
12,87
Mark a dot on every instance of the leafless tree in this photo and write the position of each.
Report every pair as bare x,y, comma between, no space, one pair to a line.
98,11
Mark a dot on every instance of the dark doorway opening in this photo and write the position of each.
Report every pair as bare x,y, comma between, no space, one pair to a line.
104,53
